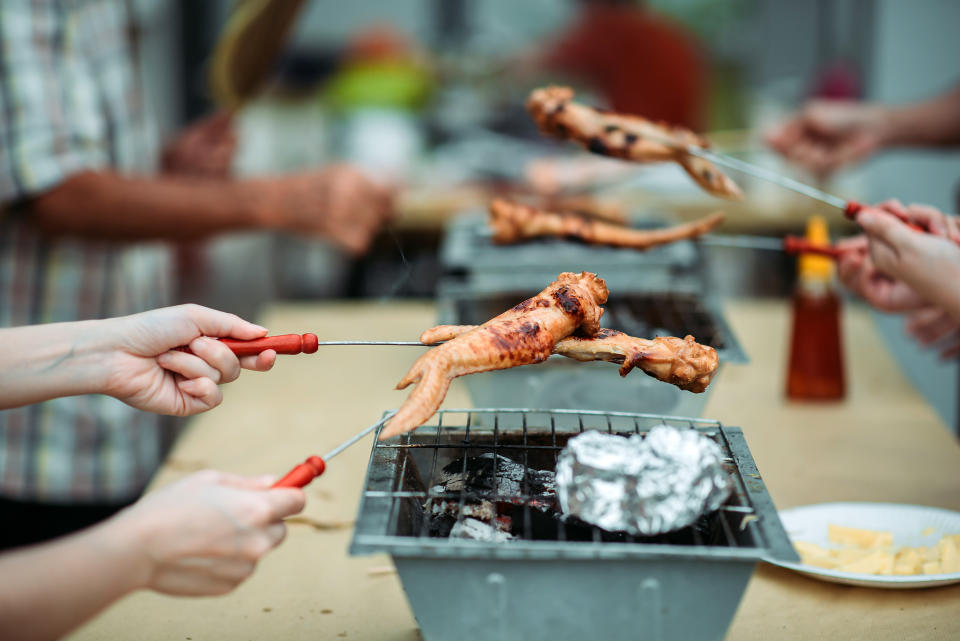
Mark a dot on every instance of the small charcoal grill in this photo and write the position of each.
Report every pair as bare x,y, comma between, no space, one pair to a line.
469,253
563,383
550,578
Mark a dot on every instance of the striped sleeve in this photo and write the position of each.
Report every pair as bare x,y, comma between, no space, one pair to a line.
50,126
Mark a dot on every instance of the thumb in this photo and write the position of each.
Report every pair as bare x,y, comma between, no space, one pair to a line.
219,324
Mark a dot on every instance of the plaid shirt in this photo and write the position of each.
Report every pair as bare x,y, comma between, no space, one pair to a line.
69,102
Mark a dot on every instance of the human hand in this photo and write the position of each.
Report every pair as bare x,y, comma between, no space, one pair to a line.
858,273
204,534
934,328
338,202
205,148
144,369
829,134
926,262
926,217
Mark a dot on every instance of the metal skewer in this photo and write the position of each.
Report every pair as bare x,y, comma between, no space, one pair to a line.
772,176
314,466
743,242
329,455
790,244
414,343
850,208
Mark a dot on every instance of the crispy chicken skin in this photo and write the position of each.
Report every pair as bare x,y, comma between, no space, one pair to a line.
679,361
512,222
625,136
522,335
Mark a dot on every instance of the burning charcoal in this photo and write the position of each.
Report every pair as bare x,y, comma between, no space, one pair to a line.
480,486
442,514
475,530
643,486
508,482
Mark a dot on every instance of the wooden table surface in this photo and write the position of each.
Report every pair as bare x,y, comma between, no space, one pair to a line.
882,444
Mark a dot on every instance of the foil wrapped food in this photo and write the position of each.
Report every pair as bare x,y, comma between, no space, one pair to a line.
641,485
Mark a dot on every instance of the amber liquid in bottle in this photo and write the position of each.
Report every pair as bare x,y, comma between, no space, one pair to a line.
816,354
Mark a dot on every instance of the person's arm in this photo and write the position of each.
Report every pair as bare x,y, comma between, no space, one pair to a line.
199,536
132,358
931,123
338,203
829,134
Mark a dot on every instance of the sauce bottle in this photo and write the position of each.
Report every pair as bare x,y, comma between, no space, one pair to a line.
815,371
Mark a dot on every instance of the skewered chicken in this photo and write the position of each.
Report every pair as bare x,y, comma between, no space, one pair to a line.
679,361
522,335
512,222
588,207
625,136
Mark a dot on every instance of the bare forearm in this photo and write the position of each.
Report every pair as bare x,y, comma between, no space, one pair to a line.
47,361
47,590
111,205
934,122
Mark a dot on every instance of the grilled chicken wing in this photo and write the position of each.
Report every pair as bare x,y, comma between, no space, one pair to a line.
679,361
625,136
512,222
522,335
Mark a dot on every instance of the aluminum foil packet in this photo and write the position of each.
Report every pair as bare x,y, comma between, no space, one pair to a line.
643,486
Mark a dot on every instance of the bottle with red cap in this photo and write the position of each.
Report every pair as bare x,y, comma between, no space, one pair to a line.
815,371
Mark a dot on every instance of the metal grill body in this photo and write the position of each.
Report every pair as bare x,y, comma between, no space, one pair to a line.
559,580
564,383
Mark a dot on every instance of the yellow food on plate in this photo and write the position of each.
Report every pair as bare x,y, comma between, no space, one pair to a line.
949,555
872,552
876,562
860,538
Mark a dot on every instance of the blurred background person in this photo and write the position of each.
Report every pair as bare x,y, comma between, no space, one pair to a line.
83,206
639,61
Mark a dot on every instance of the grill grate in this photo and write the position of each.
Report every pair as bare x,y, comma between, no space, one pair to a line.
404,476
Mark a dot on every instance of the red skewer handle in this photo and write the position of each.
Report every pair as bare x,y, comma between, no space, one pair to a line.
303,473
853,209
797,245
282,344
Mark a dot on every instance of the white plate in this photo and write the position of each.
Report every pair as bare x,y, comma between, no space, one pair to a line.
908,523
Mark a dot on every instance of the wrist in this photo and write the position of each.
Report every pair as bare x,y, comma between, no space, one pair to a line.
96,347
888,125
124,541
82,361
257,203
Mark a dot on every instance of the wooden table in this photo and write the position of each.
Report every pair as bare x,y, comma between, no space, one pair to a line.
882,444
